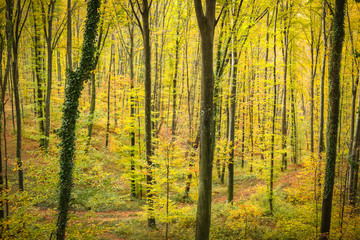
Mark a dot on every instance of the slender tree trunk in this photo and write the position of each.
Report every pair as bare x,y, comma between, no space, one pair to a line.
232,123
69,37
132,110
2,83
92,109
337,38
49,73
354,159
287,22
271,197
145,29
15,33
39,80
108,97
322,83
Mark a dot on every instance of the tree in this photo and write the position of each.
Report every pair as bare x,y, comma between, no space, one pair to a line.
206,23
271,197
75,84
145,30
38,73
337,39
17,22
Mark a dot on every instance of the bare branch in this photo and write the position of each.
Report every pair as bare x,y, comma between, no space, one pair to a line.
136,16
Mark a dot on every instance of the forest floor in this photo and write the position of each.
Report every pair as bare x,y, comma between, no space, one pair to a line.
107,220
103,209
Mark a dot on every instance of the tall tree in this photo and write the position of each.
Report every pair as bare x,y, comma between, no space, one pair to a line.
286,8
271,197
232,114
17,23
206,22
51,42
75,81
145,30
38,73
69,37
337,39
355,124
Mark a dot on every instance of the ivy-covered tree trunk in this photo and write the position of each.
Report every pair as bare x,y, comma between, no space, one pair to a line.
206,23
75,84
337,39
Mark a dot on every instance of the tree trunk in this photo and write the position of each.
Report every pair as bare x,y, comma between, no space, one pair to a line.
232,115
337,38
271,200
132,110
354,159
145,29
39,80
69,37
322,83
108,97
75,82
287,22
206,23
48,37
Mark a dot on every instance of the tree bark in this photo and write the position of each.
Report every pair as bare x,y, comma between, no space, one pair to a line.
271,195
337,38
206,23
232,121
49,48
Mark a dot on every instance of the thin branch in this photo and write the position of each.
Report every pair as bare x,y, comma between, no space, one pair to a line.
138,4
330,7
23,24
222,10
136,16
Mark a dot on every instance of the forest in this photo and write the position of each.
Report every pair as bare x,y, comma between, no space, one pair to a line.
183,119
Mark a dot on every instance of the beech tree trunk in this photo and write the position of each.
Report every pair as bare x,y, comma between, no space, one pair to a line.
337,39
271,195
145,29
206,23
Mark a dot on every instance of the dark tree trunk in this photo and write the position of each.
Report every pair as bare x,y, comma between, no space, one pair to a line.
132,110
145,29
271,195
15,32
69,37
75,82
39,79
206,23
337,38
49,48
232,121
322,83
2,83
287,22
108,97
